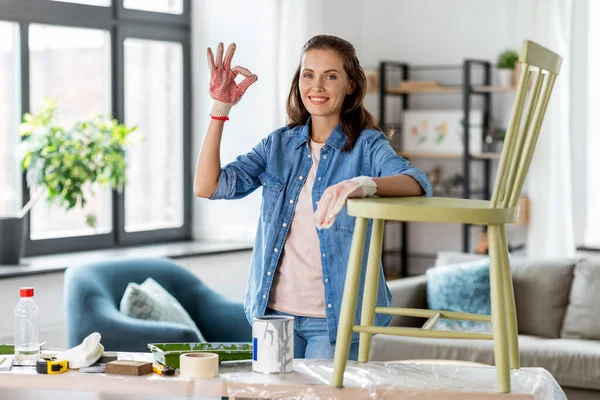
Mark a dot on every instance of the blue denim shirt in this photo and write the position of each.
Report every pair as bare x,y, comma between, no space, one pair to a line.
276,164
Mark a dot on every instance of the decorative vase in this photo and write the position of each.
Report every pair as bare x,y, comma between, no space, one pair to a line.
11,240
506,77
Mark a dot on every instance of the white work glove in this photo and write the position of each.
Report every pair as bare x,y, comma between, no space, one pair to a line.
85,354
334,198
223,88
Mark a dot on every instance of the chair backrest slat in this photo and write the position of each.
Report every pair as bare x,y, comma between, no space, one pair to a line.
506,158
521,139
532,138
522,132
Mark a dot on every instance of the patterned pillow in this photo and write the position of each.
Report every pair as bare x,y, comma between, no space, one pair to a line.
150,301
462,287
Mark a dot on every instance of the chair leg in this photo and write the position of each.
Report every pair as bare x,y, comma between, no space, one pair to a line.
367,316
498,309
349,300
509,299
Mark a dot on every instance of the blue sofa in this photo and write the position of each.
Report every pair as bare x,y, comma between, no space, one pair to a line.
93,293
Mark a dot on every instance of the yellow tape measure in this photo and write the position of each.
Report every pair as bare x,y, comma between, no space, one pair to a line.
50,365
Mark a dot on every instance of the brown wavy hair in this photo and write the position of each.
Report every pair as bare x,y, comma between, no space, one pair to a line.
354,117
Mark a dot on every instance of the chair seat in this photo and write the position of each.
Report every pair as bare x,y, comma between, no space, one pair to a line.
432,209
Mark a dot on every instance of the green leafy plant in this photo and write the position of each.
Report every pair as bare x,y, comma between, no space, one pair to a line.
508,59
62,161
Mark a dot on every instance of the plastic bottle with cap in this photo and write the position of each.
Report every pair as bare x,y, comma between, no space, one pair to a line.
27,328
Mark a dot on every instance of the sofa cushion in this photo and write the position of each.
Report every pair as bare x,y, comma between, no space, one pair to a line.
582,319
542,290
541,287
463,287
573,363
151,301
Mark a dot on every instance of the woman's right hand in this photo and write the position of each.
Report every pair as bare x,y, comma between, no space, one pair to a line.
223,88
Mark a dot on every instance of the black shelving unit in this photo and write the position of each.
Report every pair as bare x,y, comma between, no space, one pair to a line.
469,88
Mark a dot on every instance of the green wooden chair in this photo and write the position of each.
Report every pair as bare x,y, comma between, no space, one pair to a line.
540,65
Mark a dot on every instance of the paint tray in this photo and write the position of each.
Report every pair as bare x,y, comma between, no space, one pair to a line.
7,349
168,353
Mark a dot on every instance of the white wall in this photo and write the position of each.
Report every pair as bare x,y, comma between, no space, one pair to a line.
239,22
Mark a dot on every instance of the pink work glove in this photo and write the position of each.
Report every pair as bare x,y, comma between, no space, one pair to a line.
223,89
334,198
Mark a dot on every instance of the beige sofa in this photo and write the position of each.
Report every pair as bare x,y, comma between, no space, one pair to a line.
558,312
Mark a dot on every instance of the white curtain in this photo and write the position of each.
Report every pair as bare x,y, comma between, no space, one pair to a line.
550,179
592,214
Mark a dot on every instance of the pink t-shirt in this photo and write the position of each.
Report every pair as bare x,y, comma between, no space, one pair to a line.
298,282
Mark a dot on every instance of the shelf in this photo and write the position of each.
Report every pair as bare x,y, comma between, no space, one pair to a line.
493,89
450,156
486,156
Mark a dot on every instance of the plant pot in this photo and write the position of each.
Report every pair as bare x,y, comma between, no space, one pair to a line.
506,77
517,74
11,240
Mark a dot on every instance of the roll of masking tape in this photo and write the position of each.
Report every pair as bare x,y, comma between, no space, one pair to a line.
199,365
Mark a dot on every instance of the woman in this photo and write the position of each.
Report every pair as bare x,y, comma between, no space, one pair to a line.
331,150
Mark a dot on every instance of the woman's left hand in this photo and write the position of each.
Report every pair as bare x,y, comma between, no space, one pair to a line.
334,198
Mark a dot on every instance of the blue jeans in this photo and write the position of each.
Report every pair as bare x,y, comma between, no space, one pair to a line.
311,338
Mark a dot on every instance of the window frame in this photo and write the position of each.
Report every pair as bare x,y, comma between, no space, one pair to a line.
121,23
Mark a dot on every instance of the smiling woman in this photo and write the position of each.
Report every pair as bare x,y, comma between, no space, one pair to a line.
331,150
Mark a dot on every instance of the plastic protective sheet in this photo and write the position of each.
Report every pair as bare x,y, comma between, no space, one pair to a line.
376,380
310,380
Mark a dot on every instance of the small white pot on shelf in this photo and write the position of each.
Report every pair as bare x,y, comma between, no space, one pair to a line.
506,77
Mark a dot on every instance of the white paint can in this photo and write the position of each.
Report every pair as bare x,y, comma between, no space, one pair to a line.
273,344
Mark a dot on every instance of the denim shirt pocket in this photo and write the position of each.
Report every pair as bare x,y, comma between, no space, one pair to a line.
272,188
344,222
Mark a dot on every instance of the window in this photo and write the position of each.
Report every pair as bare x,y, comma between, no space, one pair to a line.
153,198
88,2
164,6
122,57
10,176
71,65
592,215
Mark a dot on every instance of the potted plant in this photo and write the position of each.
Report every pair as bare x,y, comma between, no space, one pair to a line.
61,162
507,63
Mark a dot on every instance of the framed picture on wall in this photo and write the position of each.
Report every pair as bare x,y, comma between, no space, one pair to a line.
441,131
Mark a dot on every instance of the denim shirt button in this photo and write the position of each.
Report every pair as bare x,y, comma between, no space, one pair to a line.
324,255
326,280
329,305
324,156
284,224
269,273
264,296
291,201
301,177
319,179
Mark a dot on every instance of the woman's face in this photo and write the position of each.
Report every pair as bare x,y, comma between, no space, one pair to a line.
323,83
